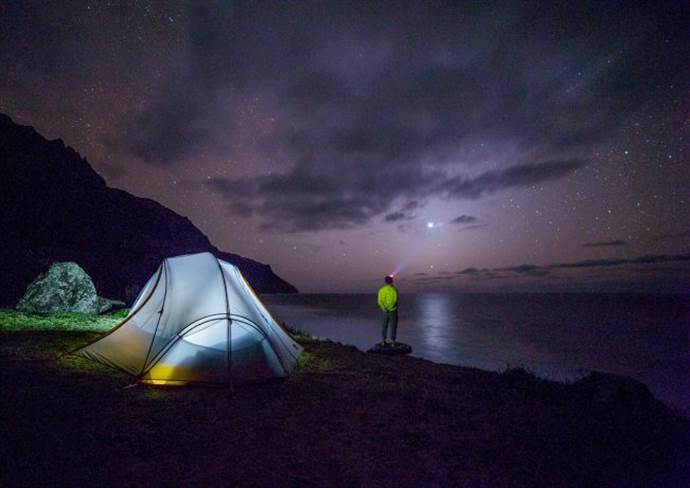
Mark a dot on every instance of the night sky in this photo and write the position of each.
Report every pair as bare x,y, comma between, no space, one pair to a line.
466,146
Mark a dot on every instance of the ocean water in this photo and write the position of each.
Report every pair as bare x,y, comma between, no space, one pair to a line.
557,336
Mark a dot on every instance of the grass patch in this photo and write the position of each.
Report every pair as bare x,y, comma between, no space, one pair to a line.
83,365
297,334
313,363
12,320
120,314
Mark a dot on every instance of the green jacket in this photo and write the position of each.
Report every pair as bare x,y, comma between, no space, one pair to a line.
388,298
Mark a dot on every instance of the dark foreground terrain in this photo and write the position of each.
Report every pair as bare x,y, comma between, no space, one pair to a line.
345,418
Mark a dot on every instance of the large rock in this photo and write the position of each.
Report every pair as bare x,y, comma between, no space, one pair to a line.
65,287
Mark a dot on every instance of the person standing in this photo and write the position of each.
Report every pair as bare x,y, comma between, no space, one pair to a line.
388,303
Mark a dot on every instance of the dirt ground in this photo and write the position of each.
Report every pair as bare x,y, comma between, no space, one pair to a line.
345,418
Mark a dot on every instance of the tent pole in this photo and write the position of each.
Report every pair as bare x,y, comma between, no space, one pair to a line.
160,315
229,325
230,351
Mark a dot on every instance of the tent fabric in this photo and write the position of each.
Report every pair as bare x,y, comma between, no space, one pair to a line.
197,320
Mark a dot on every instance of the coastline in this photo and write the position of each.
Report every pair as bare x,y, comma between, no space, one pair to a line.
552,336
345,418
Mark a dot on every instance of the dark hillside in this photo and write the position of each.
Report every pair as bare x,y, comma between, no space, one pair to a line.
55,207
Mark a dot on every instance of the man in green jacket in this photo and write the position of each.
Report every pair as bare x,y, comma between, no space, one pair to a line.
388,303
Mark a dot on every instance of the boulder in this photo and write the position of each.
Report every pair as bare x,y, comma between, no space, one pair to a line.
65,287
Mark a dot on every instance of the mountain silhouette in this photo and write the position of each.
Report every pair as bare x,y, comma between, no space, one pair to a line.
55,207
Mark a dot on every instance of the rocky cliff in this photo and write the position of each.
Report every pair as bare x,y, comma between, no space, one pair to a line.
55,207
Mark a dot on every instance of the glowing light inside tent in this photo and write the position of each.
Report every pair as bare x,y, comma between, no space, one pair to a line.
165,382
162,375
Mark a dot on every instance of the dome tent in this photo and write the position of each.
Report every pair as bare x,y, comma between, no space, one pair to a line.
197,320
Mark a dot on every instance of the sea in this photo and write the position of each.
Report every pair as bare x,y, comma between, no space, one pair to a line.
555,336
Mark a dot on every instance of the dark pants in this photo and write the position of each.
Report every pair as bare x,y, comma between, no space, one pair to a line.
390,318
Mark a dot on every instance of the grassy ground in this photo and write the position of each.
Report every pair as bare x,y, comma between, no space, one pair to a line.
11,320
345,418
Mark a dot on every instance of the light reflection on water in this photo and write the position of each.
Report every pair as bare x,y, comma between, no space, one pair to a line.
433,311
556,336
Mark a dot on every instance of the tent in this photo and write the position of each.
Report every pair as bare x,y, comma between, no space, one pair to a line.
197,320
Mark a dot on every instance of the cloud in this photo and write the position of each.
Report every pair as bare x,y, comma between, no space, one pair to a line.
527,270
358,113
473,274
168,132
469,271
646,259
405,213
310,197
533,270
433,279
672,236
513,176
473,227
604,244
467,222
395,216
464,219
181,120
241,209
404,228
